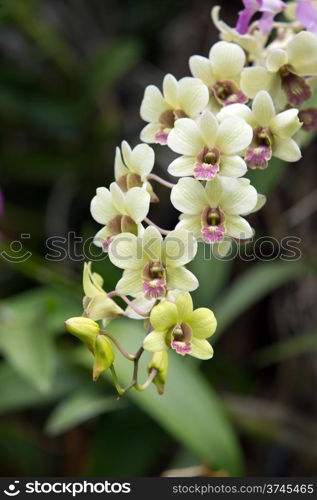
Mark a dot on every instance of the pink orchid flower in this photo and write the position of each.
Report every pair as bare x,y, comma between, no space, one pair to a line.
269,9
306,14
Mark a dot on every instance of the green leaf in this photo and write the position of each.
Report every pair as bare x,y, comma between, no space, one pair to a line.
141,440
265,181
29,348
21,450
254,284
27,324
110,64
189,410
17,393
212,274
299,344
78,408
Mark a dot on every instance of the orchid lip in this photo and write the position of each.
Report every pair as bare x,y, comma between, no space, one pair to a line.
207,163
213,224
106,243
167,119
260,151
161,137
258,157
205,172
213,234
295,87
309,118
226,92
154,289
181,347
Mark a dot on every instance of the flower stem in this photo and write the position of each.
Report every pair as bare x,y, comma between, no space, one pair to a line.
159,179
134,380
125,353
150,223
148,381
135,308
116,381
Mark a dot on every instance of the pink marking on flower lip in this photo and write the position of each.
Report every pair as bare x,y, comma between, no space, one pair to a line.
213,234
237,97
205,172
161,137
258,156
181,347
106,244
154,289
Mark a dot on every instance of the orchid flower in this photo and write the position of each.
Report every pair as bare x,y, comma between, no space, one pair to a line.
186,97
268,8
306,13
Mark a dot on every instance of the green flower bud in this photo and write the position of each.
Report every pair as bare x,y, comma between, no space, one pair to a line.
159,361
84,329
104,356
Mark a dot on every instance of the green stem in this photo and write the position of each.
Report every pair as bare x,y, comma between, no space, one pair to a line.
123,351
134,380
148,381
116,381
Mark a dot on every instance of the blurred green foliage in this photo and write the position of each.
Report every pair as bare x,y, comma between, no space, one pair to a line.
67,97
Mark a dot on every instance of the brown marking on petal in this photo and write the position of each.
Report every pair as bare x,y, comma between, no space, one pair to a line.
260,150
128,181
309,118
128,225
227,92
295,87
167,118
119,224
114,225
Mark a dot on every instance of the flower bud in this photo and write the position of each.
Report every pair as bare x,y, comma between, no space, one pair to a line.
84,329
159,362
104,356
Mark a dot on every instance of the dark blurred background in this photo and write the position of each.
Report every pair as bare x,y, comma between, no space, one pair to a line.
72,77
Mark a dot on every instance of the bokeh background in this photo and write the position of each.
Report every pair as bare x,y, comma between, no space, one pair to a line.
72,77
